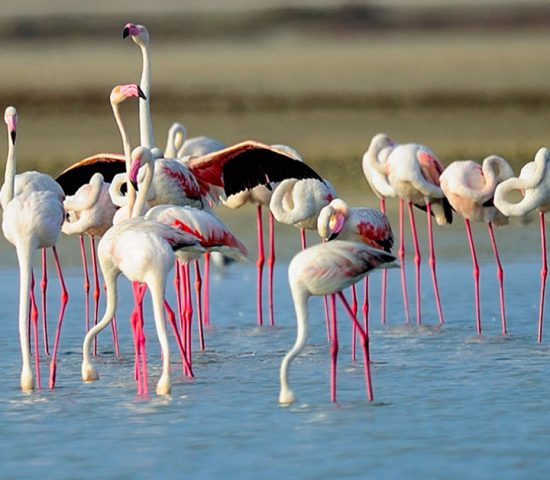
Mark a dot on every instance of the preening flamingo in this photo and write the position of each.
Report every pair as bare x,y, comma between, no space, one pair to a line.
326,269
378,151
32,219
144,251
470,188
534,184
413,172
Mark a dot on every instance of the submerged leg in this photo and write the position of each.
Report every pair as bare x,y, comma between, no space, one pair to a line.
543,275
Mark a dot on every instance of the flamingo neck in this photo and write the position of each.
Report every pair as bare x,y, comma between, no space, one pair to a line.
510,209
141,200
9,174
145,122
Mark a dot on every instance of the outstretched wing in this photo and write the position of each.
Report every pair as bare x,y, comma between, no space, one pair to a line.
79,173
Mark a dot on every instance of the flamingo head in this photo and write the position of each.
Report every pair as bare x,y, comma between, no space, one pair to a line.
122,92
139,33
381,141
331,219
10,117
140,156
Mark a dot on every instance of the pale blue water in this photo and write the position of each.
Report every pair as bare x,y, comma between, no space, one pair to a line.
447,403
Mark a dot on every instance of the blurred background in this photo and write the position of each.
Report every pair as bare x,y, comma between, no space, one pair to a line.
467,78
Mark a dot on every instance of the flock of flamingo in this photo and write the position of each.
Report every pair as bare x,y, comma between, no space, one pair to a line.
152,210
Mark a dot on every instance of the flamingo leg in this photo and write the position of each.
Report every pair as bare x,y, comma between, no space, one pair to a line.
543,275
198,287
142,341
188,312
401,255
333,348
43,287
366,306
417,260
34,324
206,294
353,328
384,283
260,264
270,267
365,346
64,300
178,291
500,277
433,264
475,273
172,320
303,238
86,282
327,319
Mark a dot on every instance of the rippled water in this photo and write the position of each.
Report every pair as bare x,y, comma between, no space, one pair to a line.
448,404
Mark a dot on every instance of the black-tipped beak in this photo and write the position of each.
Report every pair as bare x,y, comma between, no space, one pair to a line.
332,236
134,184
12,135
141,94
125,32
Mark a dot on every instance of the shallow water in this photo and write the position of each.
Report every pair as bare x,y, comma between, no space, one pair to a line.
448,404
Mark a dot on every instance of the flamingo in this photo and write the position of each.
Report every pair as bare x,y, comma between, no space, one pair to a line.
90,212
212,234
413,172
32,220
534,184
378,151
326,269
144,251
470,188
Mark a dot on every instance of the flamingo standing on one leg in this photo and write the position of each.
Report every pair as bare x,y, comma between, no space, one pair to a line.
470,188
378,151
326,269
32,220
534,184
413,172
144,251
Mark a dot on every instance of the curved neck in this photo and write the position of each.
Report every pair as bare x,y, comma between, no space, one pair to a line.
145,122
127,155
523,207
72,203
371,155
139,206
9,174
297,212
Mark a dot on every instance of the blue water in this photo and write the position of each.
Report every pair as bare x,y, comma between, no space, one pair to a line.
448,404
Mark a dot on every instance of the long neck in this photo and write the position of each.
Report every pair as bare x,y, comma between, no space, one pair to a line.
145,122
300,305
73,203
131,192
9,174
297,210
527,204
141,199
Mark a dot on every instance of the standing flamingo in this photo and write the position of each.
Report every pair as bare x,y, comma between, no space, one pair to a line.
413,172
32,219
378,151
534,184
144,251
326,269
470,188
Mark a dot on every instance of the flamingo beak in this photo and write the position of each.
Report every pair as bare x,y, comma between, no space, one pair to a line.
141,94
135,185
332,236
12,135
125,32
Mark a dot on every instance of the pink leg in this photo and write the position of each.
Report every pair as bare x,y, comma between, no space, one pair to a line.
260,264
353,328
172,320
198,287
142,341
333,348
432,263
327,319
188,312
34,324
64,300
384,282
178,291
206,294
417,260
500,277
364,345
86,282
366,306
270,266
44,286
543,275
476,274
303,238
401,255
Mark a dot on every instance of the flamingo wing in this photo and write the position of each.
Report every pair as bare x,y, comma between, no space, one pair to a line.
246,165
79,173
